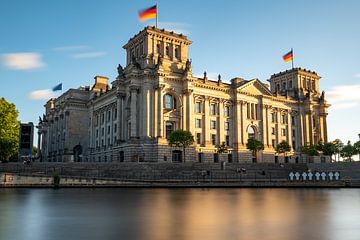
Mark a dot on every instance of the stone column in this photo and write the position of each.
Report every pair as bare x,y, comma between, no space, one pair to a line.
242,121
325,130
156,110
160,112
221,122
133,111
289,131
207,121
267,124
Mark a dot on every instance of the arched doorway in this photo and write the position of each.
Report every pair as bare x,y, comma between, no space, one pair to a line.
251,132
77,150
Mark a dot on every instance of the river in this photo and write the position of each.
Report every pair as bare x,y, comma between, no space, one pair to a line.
183,213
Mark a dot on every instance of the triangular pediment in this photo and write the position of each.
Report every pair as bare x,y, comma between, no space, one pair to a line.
254,87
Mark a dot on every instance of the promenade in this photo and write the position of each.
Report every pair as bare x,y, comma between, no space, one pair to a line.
178,175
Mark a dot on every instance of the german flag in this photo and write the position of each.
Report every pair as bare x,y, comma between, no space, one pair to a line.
148,13
289,56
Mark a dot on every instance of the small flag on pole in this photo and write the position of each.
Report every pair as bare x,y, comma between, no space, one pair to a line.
148,13
289,56
57,87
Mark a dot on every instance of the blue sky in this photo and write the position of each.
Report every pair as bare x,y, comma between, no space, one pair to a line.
44,43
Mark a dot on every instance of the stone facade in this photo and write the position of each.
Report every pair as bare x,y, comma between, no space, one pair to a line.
157,93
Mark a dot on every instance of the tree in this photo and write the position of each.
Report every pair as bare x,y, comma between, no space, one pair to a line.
283,147
181,138
9,130
254,146
338,147
357,148
310,150
347,152
329,149
222,148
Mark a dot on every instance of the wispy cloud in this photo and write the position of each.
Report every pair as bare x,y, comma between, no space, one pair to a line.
71,48
22,61
357,75
44,94
344,96
88,55
176,27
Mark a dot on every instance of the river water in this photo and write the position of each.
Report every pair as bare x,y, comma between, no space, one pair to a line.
184,213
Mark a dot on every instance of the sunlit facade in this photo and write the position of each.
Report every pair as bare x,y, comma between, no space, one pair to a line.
156,93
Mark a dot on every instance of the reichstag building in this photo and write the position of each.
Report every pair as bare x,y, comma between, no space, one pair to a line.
129,118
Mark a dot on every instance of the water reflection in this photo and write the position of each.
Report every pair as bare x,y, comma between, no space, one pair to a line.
156,214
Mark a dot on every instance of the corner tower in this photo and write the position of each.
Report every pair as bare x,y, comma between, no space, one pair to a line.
295,83
152,45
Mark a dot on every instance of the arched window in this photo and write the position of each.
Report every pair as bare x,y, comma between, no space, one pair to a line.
170,102
251,132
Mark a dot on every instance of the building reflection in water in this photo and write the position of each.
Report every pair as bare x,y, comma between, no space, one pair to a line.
184,213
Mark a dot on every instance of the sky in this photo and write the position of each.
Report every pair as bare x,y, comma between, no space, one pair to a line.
44,43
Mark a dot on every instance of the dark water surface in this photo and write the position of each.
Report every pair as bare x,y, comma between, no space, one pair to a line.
156,214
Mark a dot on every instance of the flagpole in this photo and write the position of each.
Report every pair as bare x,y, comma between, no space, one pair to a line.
157,12
292,59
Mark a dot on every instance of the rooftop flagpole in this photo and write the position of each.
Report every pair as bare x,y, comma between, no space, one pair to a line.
157,13
292,59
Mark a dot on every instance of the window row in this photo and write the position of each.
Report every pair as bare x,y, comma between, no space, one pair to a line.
103,130
170,50
213,109
213,138
101,118
213,124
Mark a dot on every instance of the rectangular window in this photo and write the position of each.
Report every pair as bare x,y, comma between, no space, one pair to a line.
198,138
283,132
108,116
227,140
212,109
198,123
102,118
168,102
115,114
248,110
115,128
97,143
273,142
273,131
283,119
97,133
102,131
213,139
292,120
108,131
213,124
273,117
293,133
197,107
226,126
226,111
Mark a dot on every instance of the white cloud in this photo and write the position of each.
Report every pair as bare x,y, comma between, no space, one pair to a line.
180,28
344,96
44,94
88,55
71,48
22,61
357,75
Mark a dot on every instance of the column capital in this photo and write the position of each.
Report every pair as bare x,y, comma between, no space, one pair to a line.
188,91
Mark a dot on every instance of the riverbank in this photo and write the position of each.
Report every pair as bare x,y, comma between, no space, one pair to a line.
9,180
179,175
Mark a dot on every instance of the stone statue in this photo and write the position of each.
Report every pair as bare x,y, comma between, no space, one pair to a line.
188,67
205,75
219,78
120,70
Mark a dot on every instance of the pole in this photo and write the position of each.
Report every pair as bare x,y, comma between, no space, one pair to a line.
157,12
292,59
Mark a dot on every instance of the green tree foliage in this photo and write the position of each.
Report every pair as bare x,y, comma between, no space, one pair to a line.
310,150
254,146
181,138
9,130
338,147
222,148
347,152
329,149
357,148
283,148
